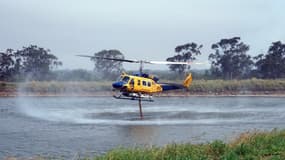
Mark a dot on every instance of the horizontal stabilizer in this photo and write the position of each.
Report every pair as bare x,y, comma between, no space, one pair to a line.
171,86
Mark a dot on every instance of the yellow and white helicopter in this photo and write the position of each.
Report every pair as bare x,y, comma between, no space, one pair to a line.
142,86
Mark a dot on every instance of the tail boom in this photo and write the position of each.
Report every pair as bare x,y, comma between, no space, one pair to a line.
173,86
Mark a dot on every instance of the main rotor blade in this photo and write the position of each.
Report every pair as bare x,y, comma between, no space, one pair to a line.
179,63
168,62
137,61
85,56
114,59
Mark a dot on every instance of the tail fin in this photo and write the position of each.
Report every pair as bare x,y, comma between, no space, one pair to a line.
188,80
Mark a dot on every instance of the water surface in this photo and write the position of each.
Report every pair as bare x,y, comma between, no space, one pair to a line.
68,126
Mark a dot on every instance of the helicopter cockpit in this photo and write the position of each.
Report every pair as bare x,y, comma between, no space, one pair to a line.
125,79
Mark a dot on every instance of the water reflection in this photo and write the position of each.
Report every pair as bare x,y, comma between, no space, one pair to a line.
142,135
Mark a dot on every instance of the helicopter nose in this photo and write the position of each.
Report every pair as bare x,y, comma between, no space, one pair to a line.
118,85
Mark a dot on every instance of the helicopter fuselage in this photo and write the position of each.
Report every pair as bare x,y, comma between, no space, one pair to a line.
147,85
137,84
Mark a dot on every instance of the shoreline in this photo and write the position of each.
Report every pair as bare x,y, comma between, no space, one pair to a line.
253,144
169,94
199,88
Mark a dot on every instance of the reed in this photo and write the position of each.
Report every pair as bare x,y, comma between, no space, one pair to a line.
237,86
248,86
256,145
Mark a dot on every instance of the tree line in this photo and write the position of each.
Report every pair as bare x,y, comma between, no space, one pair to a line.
28,63
229,60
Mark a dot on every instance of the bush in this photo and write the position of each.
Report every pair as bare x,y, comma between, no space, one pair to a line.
257,145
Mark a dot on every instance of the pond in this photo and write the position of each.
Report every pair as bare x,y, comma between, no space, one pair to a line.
68,126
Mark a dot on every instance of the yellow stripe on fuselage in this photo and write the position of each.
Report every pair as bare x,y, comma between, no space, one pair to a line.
142,85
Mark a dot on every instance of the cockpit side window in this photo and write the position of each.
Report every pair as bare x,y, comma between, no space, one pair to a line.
126,79
132,82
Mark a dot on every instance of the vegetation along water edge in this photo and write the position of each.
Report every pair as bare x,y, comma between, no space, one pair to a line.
103,88
248,145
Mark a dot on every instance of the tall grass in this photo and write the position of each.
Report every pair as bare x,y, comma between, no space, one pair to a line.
258,145
198,86
248,146
242,86
56,87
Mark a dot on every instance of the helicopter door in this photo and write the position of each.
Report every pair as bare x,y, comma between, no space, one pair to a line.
138,85
132,84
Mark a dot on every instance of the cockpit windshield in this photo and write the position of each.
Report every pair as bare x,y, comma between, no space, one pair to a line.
125,79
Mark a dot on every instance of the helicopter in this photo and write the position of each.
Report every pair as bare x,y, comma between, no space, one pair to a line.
142,86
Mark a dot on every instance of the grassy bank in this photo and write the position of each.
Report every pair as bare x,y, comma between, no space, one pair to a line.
238,86
248,146
64,87
53,88
211,87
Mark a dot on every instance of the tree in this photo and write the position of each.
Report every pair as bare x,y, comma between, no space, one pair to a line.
185,53
271,65
35,62
230,59
6,65
108,69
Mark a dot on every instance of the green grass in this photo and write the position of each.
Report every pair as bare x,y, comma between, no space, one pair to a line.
249,146
64,87
7,85
242,86
198,86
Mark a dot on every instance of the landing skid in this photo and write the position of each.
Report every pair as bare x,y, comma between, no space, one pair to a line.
135,96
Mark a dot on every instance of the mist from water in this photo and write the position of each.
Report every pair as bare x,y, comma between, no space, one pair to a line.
64,125
109,111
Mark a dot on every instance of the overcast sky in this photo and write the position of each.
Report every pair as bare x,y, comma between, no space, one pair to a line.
146,29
